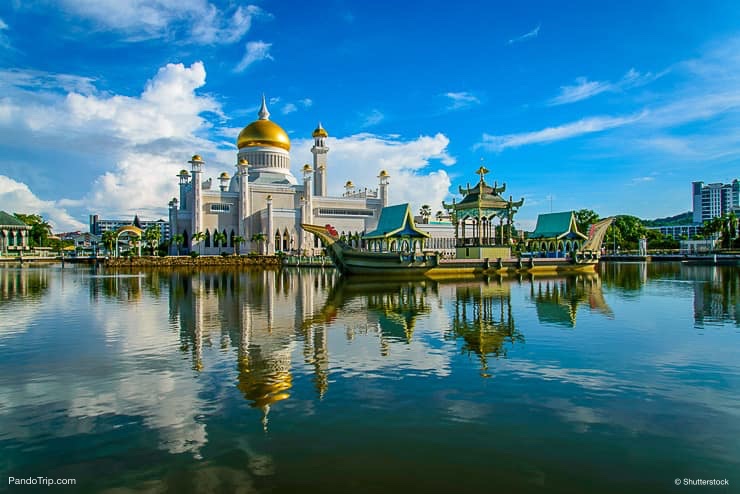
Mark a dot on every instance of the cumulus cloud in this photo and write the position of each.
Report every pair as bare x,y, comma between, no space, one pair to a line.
410,164
195,21
146,138
16,197
255,51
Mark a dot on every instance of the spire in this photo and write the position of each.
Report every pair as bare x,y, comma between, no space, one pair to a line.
263,113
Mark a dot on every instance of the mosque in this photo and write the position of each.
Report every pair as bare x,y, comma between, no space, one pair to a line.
260,208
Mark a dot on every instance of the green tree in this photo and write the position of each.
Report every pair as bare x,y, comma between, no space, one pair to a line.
259,238
109,240
219,238
40,228
425,212
629,230
199,237
178,239
134,241
238,240
585,218
152,235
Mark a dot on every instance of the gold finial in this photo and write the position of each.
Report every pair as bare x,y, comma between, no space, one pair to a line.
482,171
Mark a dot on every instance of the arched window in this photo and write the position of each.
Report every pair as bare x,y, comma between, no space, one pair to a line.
231,238
277,241
286,241
11,238
224,239
208,238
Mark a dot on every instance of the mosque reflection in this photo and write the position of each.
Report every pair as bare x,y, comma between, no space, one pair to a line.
280,322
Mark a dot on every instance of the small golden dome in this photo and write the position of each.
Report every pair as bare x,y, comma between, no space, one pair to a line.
383,173
183,173
196,157
319,132
224,176
243,161
349,184
306,167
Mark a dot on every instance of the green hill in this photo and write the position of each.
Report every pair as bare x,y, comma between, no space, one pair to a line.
680,219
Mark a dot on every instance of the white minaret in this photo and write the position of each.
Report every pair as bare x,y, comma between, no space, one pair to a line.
270,228
384,179
306,204
197,218
242,167
319,151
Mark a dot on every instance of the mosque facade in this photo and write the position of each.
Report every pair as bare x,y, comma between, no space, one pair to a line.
260,208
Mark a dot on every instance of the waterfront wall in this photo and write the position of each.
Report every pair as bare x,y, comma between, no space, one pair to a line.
174,261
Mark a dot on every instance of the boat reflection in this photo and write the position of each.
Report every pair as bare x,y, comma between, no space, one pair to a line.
557,299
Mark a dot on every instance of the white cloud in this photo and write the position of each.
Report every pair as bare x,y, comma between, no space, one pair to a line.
146,138
196,21
16,197
461,100
531,34
289,108
584,89
3,25
256,51
551,134
360,158
306,102
372,118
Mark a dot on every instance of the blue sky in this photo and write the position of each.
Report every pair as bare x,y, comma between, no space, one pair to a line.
614,107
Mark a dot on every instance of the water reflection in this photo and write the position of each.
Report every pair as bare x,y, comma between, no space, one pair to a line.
483,320
23,283
557,300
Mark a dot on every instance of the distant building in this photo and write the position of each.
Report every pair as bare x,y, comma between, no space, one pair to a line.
714,200
98,226
676,232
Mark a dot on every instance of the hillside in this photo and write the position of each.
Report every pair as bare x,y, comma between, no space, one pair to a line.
680,219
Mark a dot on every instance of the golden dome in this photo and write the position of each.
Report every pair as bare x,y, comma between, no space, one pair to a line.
196,157
184,172
243,161
263,132
319,132
349,184
383,173
307,168
224,175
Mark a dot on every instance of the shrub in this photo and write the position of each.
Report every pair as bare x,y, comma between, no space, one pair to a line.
224,254
194,254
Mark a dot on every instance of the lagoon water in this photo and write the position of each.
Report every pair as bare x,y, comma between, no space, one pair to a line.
286,381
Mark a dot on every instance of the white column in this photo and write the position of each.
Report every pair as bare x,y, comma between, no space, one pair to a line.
243,198
197,217
270,228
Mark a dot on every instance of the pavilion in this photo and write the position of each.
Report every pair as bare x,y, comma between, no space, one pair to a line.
14,234
474,218
555,235
396,231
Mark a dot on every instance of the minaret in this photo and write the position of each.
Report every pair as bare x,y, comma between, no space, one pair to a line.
243,177
197,218
173,204
270,228
383,177
306,204
319,151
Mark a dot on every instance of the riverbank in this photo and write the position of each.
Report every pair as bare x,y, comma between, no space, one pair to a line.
176,261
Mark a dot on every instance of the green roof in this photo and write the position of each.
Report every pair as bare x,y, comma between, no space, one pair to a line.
556,225
10,220
396,221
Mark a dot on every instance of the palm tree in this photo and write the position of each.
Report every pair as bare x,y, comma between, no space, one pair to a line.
259,238
238,240
134,240
439,215
178,240
199,237
152,235
219,237
425,212
109,240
